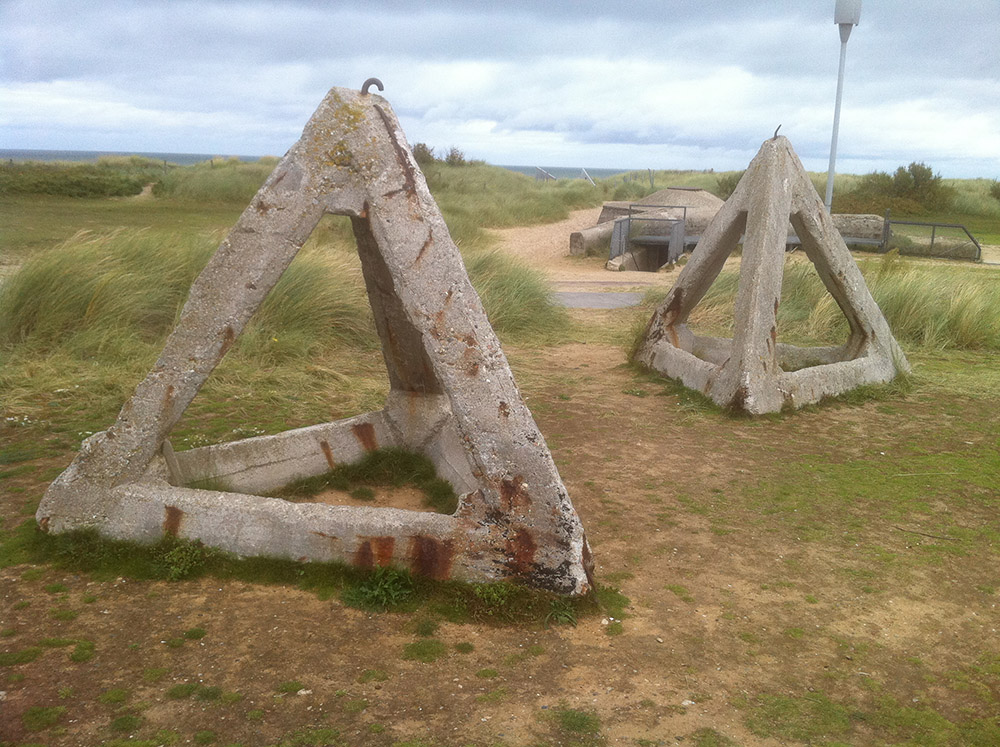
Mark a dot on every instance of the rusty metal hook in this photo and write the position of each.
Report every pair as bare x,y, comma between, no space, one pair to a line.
372,82
773,138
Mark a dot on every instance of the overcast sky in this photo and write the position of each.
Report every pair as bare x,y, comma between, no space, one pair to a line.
646,83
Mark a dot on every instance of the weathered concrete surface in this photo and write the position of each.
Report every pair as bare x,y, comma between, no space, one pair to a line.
595,241
859,225
749,372
453,396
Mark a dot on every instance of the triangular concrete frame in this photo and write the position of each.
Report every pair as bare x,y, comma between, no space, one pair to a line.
752,371
452,394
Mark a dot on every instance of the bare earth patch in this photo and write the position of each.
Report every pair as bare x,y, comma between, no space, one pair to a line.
740,591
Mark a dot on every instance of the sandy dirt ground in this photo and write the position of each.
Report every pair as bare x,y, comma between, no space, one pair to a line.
730,604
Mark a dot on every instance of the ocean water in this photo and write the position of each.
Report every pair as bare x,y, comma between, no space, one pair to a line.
186,159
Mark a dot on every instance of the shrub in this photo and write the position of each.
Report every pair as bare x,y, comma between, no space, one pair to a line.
455,157
995,189
423,154
725,185
911,190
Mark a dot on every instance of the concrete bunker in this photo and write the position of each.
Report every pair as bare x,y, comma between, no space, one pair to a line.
452,395
752,371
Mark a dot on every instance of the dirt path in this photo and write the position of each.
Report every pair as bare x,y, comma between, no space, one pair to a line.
547,248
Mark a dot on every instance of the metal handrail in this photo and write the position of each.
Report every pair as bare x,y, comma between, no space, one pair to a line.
934,227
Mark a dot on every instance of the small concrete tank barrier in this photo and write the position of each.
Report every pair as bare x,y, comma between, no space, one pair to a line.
452,395
752,371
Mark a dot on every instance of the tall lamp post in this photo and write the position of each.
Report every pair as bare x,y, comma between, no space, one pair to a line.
846,15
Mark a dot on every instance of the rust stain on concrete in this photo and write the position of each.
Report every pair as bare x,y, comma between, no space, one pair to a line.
365,433
172,519
431,557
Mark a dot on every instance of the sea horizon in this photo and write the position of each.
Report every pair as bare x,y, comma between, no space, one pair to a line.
188,159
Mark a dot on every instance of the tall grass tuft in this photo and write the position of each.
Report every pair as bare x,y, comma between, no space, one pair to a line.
927,306
516,297
130,285
96,287
219,180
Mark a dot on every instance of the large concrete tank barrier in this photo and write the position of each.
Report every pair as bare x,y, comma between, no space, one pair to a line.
752,371
452,395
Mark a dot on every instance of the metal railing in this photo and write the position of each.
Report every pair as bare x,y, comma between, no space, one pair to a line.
934,235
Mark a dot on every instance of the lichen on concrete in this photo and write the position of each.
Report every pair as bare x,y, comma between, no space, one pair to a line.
753,372
447,374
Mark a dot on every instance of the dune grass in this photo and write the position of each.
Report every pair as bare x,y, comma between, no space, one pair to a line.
218,180
81,324
109,176
931,307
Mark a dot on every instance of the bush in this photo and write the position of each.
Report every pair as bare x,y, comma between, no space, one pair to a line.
423,154
912,190
455,157
725,185
995,189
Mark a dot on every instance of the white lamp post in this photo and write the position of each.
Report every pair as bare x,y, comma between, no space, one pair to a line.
846,15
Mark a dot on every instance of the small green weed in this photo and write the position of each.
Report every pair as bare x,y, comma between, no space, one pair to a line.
708,737
493,696
487,674
681,592
38,718
381,467
84,651
355,706
24,656
425,627
577,721
182,690
126,723
561,612
63,614
289,687
425,650
56,588
383,589
614,628
205,736
194,634
801,719
114,696
155,674
373,675
464,647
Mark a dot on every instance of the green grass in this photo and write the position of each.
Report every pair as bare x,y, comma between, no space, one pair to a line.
107,177
393,467
39,718
425,650
937,307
